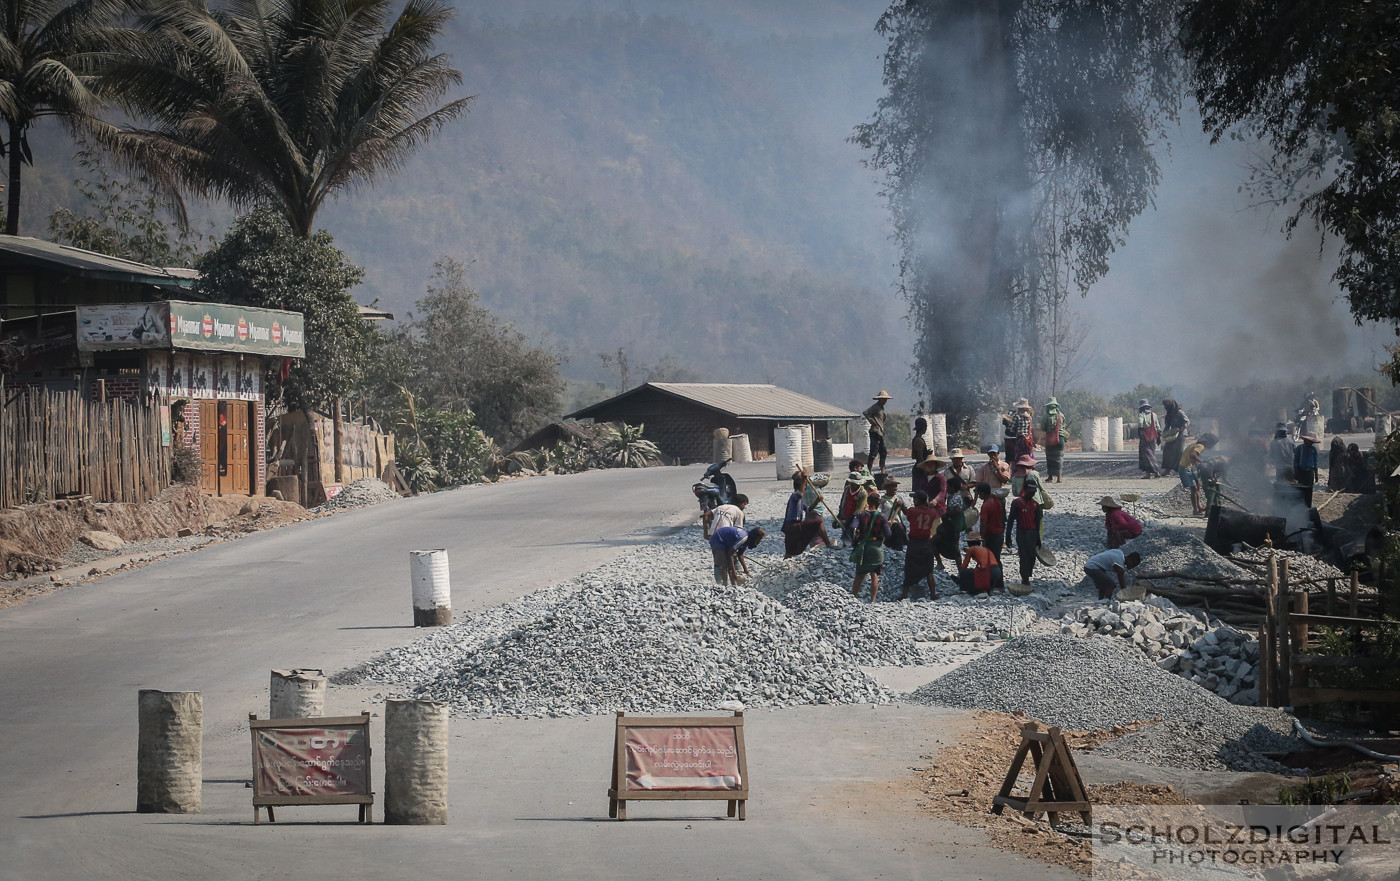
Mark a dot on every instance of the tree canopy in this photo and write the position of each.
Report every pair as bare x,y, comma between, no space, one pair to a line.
1017,144
282,103
41,49
262,262
1316,80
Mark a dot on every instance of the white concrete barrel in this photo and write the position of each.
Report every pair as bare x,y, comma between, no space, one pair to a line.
809,463
296,694
860,436
1315,426
1384,425
169,752
723,446
739,446
938,433
432,588
1115,433
1101,433
988,430
1087,437
788,440
415,762
822,456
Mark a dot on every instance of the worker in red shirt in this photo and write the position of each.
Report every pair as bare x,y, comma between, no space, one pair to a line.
993,521
924,517
985,575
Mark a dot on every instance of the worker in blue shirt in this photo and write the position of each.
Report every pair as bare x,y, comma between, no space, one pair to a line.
1305,467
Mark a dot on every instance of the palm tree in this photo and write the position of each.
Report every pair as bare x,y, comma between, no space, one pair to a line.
41,42
277,102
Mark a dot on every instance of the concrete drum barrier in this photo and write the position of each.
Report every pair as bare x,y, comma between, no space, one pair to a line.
937,433
739,446
169,752
988,429
860,436
1115,434
415,762
788,454
432,588
296,694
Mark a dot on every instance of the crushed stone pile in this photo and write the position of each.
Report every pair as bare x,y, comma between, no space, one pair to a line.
1082,684
1168,549
1300,565
366,491
1215,656
643,647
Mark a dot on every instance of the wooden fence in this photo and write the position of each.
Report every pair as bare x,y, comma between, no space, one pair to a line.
1288,670
55,445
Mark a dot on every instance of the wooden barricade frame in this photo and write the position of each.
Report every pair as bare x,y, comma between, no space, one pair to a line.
1058,788
269,801
619,793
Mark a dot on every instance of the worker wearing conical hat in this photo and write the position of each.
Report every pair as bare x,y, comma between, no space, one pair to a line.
875,414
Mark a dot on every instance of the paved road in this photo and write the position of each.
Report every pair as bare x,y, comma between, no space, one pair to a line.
527,797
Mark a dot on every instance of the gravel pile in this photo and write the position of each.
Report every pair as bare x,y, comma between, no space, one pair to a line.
1081,684
1168,549
861,630
367,491
1219,657
648,648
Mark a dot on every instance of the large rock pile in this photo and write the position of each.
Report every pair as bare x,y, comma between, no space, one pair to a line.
1081,684
1219,657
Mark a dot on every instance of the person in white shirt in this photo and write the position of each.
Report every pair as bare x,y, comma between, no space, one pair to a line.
731,514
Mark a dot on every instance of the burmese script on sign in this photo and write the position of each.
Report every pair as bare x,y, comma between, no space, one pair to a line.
682,758
311,761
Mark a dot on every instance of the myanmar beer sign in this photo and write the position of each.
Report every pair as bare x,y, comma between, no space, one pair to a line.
213,327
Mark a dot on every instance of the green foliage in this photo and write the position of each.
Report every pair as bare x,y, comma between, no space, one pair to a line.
1125,404
124,217
624,447
1080,404
1016,144
460,453
455,355
1316,80
282,103
262,262
1316,791
42,46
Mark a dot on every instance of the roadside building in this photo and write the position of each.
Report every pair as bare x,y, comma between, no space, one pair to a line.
682,417
106,328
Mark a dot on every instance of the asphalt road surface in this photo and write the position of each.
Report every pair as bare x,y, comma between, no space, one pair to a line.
831,790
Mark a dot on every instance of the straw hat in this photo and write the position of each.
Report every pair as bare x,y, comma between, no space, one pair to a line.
1109,502
854,477
1026,459
955,453
932,464
883,396
1023,404
1308,439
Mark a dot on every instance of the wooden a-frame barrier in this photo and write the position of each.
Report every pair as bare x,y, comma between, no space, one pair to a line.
1057,789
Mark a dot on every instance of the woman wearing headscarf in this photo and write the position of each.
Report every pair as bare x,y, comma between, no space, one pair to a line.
1174,428
1053,425
1149,436
1337,464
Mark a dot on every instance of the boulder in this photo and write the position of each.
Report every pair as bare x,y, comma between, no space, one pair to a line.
102,541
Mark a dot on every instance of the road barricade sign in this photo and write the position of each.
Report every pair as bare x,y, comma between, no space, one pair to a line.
323,760
679,758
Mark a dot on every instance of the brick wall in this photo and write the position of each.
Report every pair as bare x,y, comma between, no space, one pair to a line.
127,388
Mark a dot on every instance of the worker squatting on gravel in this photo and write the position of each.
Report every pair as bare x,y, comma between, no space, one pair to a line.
1109,571
728,544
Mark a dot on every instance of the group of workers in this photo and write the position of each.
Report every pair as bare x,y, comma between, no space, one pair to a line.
952,504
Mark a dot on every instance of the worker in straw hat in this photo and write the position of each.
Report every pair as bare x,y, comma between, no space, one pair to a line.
875,415
1017,429
1305,467
958,467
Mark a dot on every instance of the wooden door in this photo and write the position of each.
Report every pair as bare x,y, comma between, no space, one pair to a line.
209,446
238,458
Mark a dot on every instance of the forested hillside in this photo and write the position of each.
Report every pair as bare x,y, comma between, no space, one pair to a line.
640,183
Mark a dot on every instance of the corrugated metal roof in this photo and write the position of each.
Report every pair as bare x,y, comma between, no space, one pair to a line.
743,400
92,264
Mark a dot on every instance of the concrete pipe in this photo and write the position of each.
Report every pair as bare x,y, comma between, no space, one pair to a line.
860,436
1115,434
723,446
988,431
808,454
415,762
432,588
1087,440
788,454
740,448
296,694
823,457
938,433
169,752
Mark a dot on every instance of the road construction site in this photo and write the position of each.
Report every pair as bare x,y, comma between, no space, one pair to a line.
874,730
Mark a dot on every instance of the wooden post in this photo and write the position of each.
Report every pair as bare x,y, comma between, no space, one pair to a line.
335,439
1331,595
1355,586
1266,662
1283,673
